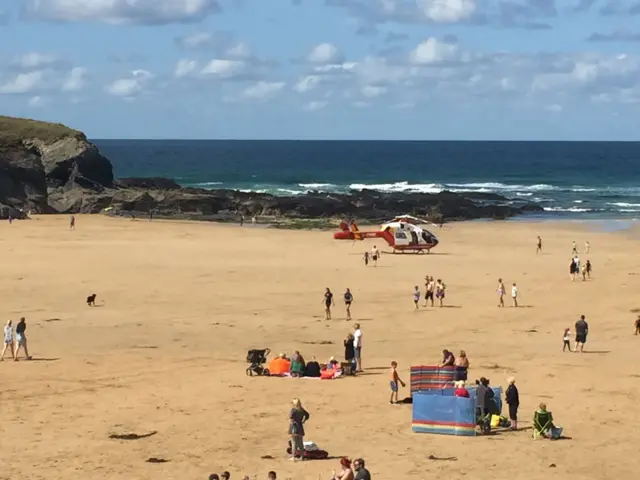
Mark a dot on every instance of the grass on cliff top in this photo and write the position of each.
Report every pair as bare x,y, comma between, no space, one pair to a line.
17,129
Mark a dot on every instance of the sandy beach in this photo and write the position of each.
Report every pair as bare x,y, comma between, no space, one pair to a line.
179,305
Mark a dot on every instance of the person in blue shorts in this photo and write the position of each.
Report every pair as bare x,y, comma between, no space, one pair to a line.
393,383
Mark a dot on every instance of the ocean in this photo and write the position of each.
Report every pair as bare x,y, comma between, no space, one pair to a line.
570,180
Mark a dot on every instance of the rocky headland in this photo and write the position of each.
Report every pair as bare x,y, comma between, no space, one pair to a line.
49,168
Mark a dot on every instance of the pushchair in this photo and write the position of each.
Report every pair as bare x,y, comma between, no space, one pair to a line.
256,358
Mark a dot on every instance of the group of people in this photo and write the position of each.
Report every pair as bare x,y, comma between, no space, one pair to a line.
374,256
575,269
502,292
329,302
15,339
432,288
582,330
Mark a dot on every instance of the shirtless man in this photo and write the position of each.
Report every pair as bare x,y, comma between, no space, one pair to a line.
428,292
539,245
375,254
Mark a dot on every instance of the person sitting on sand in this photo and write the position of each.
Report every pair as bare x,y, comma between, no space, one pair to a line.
312,369
346,473
440,289
225,475
543,423
501,291
460,390
461,366
8,340
214,476
348,299
297,365
361,472
448,360
271,475
328,302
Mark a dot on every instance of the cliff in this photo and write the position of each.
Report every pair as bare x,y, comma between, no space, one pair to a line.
50,168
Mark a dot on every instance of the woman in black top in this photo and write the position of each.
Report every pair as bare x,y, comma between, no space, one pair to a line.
513,400
349,352
21,339
348,298
328,302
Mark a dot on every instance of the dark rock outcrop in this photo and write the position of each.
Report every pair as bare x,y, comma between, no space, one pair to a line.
49,168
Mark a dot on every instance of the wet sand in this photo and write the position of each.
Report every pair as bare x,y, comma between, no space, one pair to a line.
179,305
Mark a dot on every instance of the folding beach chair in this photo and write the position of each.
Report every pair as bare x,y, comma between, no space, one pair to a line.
542,424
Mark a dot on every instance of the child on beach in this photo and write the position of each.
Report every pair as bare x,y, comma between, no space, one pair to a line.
566,338
416,296
394,379
501,292
366,259
514,294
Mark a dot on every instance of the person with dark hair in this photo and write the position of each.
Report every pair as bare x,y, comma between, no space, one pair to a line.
21,339
361,472
582,330
328,302
448,359
225,475
214,476
271,475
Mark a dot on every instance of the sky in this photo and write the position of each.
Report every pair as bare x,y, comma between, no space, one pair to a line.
325,69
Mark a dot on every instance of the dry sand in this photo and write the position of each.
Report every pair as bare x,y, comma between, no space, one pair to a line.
181,303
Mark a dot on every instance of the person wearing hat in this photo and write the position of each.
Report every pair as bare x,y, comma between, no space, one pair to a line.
513,400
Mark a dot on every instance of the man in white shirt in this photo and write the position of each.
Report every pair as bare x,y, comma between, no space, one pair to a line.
357,346
514,294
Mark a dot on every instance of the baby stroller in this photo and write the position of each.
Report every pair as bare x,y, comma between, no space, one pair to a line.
256,358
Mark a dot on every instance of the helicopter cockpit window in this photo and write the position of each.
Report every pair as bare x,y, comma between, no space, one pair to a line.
426,237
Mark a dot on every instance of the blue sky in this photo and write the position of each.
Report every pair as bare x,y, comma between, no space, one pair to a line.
334,69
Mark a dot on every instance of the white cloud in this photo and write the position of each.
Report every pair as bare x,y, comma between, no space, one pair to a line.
447,11
307,83
314,106
36,101
75,80
148,12
184,68
34,60
195,40
130,86
554,108
371,91
263,90
23,83
223,68
433,50
325,54
239,50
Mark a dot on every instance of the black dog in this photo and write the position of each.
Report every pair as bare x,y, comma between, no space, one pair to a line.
91,300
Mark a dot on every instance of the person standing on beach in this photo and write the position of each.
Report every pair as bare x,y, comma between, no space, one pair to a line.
298,416
394,379
588,268
582,330
375,254
566,339
348,298
501,292
366,259
637,325
513,400
8,340
574,251
587,246
21,339
357,346
72,222
514,294
440,288
429,286
539,245
328,302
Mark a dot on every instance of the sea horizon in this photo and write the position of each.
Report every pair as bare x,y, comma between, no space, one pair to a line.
567,179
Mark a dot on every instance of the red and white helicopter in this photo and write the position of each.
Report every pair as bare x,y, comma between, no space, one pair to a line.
402,234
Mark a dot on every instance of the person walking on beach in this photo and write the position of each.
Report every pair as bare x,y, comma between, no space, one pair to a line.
588,268
394,379
440,289
582,330
328,302
514,294
539,245
501,292
298,416
21,339
566,339
8,340
587,246
357,346
375,254
348,298
416,297
72,222
429,286
366,259
637,325
574,250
